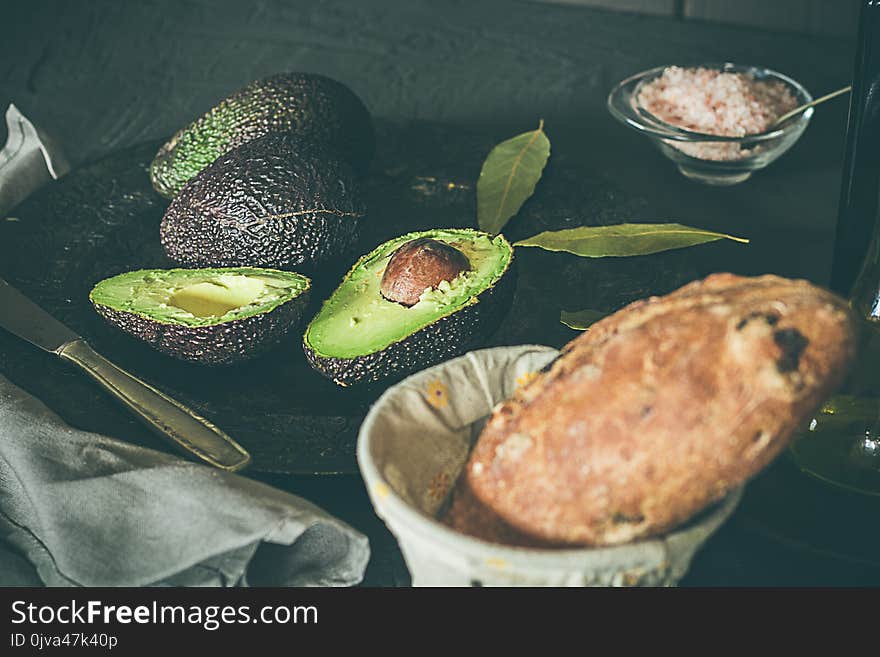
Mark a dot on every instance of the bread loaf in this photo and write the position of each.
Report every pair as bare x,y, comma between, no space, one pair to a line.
661,409
468,515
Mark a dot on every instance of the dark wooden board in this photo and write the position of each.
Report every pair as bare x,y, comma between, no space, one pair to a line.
103,219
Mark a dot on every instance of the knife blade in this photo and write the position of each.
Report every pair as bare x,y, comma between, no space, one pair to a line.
22,317
167,417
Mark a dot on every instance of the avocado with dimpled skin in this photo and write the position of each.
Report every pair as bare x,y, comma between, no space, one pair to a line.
360,336
275,202
312,107
208,316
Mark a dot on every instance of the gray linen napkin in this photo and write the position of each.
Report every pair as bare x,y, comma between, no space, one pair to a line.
82,509
89,510
28,160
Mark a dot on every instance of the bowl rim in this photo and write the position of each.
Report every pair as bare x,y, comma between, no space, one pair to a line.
621,105
400,514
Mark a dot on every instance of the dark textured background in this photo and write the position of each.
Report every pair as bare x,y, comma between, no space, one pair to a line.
102,76
828,17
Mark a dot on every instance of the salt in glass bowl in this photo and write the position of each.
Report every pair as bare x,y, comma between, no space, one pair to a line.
759,150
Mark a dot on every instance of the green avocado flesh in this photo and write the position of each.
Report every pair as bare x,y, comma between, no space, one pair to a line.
357,320
198,297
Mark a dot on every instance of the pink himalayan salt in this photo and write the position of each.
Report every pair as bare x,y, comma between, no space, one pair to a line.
716,103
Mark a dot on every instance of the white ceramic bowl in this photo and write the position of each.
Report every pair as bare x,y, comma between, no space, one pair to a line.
414,443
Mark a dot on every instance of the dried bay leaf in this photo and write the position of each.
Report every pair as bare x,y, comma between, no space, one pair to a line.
581,320
623,239
508,177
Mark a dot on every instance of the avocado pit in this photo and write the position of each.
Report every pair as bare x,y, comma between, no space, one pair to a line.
418,265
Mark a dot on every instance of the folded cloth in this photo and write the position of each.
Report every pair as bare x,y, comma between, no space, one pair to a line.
82,509
28,160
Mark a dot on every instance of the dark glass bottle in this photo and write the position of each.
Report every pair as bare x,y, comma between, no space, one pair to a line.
842,444
860,183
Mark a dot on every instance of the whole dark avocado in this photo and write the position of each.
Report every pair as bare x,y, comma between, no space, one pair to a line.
206,316
274,202
359,336
313,107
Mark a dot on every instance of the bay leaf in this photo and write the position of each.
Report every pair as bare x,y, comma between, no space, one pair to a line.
508,177
623,239
581,320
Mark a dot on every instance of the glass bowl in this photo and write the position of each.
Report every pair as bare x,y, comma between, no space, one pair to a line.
747,154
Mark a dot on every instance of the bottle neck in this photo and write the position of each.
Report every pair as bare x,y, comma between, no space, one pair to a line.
860,183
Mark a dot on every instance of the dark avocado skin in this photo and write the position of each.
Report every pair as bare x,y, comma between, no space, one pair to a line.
275,202
448,337
313,107
220,344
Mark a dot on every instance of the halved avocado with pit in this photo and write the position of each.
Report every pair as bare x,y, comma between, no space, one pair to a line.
361,335
209,316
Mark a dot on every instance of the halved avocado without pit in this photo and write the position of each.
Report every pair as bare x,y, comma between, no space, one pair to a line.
414,301
208,316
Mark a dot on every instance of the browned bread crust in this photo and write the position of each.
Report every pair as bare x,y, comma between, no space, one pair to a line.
661,409
466,514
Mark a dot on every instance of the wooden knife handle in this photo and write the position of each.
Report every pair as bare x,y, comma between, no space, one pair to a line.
169,418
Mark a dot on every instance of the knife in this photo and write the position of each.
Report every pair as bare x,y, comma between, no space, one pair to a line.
169,418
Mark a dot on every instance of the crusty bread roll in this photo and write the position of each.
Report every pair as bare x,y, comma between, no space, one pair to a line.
466,514
661,409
